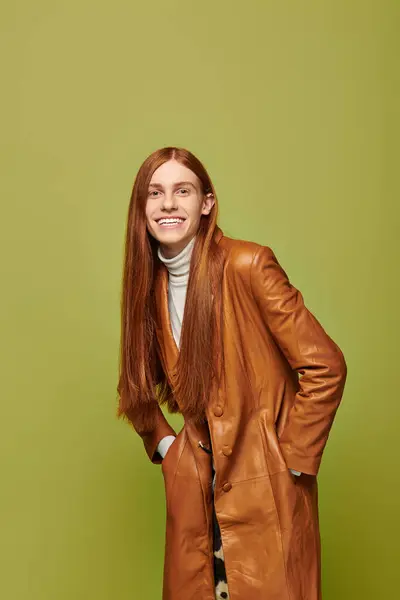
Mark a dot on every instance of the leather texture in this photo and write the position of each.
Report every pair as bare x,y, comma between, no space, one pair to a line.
282,379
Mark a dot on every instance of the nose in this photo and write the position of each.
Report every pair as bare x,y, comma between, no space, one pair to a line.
169,201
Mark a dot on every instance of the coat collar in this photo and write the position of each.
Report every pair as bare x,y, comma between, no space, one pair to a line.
164,328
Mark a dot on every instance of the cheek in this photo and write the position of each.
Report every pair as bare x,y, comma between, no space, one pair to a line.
147,212
194,210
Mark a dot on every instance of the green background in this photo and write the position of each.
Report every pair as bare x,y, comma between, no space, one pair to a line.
293,108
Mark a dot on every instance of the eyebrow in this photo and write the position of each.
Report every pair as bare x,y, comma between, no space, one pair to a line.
178,183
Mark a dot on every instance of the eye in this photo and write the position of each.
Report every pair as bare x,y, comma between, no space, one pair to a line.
153,192
183,190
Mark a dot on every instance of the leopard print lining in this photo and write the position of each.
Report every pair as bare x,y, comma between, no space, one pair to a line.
221,585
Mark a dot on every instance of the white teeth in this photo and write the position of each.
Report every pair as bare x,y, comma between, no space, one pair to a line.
170,221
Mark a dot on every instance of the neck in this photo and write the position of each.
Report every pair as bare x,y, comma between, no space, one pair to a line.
178,266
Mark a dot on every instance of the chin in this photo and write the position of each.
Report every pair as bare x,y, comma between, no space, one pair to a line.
170,237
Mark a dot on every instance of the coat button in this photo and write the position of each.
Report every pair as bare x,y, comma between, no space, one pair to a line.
227,450
227,486
218,411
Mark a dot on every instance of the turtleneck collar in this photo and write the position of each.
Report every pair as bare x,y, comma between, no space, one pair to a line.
178,266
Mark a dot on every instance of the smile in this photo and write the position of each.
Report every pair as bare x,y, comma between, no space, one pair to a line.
170,223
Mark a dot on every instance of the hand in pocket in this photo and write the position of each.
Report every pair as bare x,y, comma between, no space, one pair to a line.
169,447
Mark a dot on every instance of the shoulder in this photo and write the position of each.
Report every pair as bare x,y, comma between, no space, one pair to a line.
241,254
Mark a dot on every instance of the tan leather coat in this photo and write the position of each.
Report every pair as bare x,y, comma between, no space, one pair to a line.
282,381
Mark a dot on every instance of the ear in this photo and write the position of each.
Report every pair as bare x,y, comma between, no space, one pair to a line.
208,203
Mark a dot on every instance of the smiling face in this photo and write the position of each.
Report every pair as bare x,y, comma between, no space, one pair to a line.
175,192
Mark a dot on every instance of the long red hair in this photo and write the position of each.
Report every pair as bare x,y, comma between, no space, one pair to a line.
142,382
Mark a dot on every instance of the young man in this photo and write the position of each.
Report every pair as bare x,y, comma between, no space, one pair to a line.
217,324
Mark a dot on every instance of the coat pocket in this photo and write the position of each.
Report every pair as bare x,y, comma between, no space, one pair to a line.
169,453
274,456
172,452
170,463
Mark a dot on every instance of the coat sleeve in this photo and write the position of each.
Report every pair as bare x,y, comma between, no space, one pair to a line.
153,438
310,352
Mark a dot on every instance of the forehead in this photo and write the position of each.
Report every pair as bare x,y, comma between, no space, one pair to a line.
172,172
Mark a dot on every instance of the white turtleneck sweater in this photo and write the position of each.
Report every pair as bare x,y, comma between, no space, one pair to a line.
178,276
